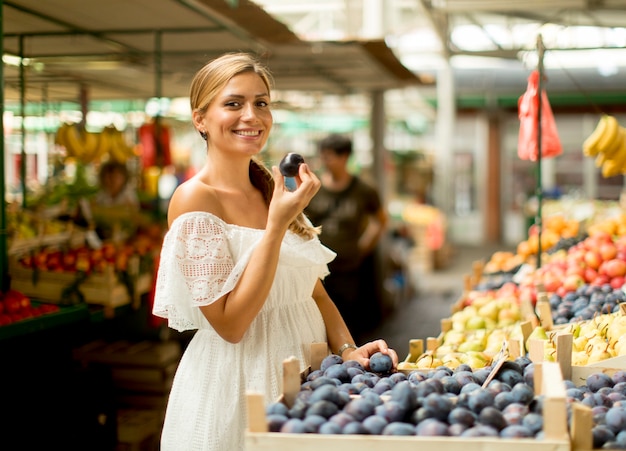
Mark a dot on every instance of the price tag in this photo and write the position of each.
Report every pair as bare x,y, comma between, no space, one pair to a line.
499,359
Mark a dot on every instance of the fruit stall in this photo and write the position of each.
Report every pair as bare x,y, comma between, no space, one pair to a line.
76,270
545,342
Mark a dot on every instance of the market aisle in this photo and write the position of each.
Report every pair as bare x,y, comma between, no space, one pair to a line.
436,292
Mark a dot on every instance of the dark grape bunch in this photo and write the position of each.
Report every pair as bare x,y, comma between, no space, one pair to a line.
441,402
290,163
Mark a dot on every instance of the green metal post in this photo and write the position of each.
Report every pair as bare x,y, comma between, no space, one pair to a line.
4,261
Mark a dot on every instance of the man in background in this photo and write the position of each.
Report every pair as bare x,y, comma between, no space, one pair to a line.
353,221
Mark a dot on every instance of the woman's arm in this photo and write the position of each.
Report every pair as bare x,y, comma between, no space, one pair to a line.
232,314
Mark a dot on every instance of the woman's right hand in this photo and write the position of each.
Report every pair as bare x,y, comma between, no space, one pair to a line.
286,205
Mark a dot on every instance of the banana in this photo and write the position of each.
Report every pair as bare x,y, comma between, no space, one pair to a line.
616,165
609,141
120,151
104,142
71,142
59,137
590,145
83,143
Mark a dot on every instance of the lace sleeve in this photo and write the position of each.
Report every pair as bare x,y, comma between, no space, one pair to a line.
196,269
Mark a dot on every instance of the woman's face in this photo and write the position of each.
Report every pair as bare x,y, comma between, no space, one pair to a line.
239,118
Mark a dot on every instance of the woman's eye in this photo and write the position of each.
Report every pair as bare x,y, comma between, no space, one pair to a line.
263,103
232,104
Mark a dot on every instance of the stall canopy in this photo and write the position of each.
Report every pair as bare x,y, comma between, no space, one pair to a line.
120,49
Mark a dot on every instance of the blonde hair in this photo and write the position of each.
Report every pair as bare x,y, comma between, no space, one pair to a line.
205,86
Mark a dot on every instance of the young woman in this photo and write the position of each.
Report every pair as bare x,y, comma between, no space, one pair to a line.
241,264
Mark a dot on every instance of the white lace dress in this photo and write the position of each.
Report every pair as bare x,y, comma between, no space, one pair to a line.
202,259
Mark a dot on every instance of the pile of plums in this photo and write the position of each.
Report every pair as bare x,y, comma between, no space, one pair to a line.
342,397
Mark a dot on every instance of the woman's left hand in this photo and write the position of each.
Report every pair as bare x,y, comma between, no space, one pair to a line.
363,353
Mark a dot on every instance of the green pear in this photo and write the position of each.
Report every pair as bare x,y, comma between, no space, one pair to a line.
538,333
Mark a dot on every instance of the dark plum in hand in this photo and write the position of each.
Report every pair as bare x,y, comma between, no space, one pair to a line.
381,363
290,163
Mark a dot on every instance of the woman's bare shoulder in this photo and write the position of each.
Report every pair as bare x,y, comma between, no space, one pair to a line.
193,195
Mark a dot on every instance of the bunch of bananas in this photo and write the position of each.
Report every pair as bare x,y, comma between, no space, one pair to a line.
115,145
607,143
88,147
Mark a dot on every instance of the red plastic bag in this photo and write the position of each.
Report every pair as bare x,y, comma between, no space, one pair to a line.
528,105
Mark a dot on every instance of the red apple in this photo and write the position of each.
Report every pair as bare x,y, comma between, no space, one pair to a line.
602,279
573,281
617,282
575,270
5,319
608,251
593,259
615,267
54,262
69,261
590,274
11,305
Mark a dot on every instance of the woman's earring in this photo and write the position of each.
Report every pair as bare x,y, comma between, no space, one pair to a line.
203,134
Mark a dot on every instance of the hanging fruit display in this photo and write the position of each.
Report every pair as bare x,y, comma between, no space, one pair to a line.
607,143
88,147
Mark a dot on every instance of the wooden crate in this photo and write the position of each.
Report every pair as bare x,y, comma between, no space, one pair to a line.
142,372
555,431
98,288
138,430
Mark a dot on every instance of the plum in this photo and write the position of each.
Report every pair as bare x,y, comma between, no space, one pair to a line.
313,422
480,430
355,427
290,163
338,371
399,428
432,427
323,408
490,416
324,380
360,408
276,408
516,431
615,419
598,380
404,394
325,392
275,421
479,399
510,376
522,393
375,424
456,429
329,428
294,426
381,363
462,415
341,418
534,422
398,377
503,399
329,360
392,411
601,434
451,385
